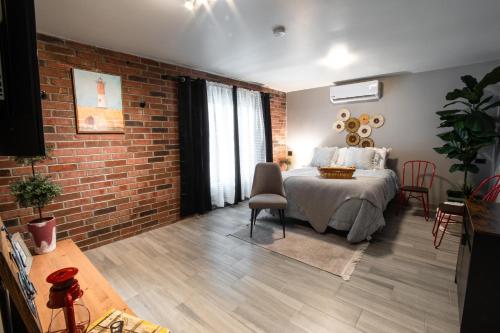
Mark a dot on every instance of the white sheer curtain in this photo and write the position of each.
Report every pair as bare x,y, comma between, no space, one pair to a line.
221,134
252,140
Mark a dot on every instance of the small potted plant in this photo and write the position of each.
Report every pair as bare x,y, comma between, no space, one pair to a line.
285,164
37,191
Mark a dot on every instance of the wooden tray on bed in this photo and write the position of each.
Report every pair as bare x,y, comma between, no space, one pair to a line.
337,172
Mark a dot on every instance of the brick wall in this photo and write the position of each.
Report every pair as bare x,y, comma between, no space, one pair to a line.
114,185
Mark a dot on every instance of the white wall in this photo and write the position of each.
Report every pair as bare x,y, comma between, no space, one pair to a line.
408,104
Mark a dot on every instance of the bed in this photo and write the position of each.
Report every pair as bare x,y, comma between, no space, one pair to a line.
353,205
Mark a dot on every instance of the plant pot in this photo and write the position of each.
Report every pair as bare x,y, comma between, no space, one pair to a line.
43,232
455,193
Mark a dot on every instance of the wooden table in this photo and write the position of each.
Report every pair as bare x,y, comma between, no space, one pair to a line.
98,295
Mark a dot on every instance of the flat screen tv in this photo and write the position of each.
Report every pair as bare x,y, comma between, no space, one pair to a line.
21,127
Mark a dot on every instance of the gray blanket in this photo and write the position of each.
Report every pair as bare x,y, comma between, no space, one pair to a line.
319,200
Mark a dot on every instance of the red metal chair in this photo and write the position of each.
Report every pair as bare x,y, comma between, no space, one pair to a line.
422,175
449,213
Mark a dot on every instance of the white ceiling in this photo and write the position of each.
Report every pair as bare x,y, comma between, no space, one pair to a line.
234,37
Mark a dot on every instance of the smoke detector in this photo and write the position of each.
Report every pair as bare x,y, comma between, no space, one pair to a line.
279,31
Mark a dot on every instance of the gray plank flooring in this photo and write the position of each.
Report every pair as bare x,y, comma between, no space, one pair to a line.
191,277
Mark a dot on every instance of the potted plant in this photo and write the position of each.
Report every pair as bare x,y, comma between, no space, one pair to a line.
285,164
37,191
471,127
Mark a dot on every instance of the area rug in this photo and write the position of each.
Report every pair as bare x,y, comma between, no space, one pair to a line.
330,252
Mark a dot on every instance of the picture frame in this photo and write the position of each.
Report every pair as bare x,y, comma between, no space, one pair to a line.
22,251
98,102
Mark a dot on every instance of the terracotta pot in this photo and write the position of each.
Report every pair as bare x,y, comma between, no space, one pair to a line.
43,232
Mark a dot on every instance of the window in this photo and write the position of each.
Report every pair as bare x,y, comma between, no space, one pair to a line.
221,147
252,140
249,136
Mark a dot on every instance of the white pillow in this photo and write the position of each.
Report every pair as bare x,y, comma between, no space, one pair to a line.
340,156
380,157
359,157
323,156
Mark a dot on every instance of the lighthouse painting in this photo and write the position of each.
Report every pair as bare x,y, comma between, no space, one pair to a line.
98,102
101,94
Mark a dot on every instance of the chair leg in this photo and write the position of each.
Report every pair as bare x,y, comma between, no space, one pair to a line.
282,219
424,206
437,222
427,205
257,212
252,222
436,243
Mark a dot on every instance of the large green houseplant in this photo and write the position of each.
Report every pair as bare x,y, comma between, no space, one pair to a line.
470,126
37,191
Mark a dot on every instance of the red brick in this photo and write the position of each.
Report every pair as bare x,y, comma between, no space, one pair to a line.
62,167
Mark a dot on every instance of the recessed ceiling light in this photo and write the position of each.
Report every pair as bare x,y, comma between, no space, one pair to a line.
338,57
279,31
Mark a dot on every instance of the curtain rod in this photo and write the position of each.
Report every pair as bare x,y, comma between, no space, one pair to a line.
182,78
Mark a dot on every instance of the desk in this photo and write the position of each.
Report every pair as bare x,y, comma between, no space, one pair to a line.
98,295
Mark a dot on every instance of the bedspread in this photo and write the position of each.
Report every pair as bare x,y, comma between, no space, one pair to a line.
355,205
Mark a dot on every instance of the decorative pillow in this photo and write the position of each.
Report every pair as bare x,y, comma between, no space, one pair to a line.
361,158
380,157
323,156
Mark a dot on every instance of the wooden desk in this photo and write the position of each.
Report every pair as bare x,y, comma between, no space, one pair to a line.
98,295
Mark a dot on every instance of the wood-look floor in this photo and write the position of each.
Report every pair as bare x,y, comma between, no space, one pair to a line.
191,277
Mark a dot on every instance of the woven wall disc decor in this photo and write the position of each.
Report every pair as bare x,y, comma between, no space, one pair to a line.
364,119
364,131
359,128
339,126
343,114
366,142
352,139
377,121
352,125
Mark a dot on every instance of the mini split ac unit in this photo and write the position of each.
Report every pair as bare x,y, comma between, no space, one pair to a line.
356,92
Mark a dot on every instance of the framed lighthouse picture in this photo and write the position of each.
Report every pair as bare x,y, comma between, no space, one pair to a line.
98,102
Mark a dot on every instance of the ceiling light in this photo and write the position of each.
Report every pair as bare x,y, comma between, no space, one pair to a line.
279,31
195,4
189,4
339,57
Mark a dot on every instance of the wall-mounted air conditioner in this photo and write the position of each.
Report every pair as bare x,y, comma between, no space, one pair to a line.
356,92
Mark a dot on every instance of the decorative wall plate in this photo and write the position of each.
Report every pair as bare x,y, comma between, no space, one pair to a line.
343,114
364,131
352,125
377,121
352,139
366,142
339,126
364,119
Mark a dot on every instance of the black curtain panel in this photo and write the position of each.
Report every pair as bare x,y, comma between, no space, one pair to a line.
237,172
266,109
194,146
